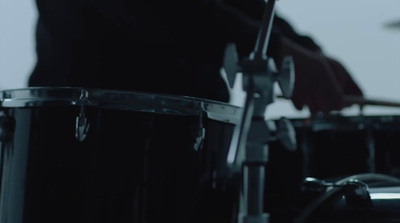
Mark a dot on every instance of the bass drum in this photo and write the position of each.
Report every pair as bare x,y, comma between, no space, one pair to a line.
93,156
362,198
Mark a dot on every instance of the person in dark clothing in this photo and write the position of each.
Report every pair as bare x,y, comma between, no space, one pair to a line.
174,48
159,47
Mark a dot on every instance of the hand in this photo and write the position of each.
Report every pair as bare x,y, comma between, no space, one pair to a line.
348,85
321,82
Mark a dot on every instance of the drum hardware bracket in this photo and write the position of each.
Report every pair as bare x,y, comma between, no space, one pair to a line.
199,139
259,76
282,131
249,147
286,134
82,123
355,192
81,127
370,143
199,133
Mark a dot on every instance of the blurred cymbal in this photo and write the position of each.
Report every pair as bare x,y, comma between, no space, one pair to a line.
393,24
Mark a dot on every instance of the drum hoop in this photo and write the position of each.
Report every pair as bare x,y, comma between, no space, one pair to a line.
348,123
117,99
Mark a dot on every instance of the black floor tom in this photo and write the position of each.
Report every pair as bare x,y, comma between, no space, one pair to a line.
92,156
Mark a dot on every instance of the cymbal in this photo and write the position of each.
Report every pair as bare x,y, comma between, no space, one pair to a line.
393,24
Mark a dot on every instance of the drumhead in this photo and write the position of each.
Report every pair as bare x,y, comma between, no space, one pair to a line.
122,100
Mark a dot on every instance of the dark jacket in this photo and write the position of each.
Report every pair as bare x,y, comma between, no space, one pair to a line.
171,47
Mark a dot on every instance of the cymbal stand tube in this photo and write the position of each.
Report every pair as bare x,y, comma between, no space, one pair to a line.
249,149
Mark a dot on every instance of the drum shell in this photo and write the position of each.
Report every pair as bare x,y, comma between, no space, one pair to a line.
131,167
335,147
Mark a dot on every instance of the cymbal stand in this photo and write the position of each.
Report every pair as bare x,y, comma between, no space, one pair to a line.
248,151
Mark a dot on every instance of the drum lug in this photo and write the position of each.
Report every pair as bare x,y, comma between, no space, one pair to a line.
355,192
286,134
199,133
82,123
199,139
81,127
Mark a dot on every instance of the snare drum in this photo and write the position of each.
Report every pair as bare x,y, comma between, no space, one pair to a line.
90,155
376,201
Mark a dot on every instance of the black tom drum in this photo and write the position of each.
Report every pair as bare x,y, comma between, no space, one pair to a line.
336,146
90,156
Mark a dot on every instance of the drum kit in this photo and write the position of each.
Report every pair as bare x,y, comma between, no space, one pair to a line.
70,154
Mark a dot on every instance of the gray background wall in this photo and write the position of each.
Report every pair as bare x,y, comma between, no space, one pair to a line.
352,31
